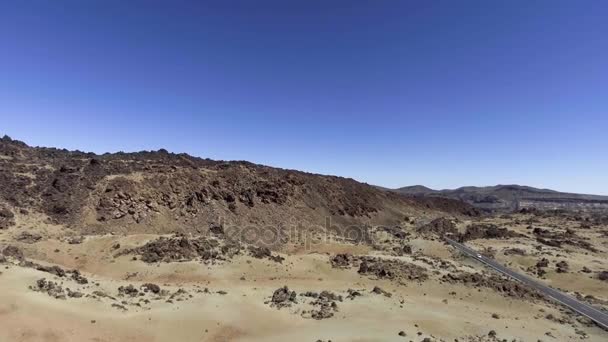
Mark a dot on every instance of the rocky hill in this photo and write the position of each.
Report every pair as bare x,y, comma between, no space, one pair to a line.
162,192
513,197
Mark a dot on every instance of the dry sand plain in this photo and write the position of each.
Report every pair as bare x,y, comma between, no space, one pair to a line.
232,299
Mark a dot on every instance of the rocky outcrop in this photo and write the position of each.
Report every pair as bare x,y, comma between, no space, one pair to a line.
486,231
439,226
507,287
162,192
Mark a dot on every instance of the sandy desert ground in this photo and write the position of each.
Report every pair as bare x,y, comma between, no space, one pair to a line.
237,296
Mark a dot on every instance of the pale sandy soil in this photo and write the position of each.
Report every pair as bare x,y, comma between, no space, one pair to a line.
437,310
573,281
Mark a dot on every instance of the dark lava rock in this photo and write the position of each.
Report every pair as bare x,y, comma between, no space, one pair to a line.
76,240
6,218
514,251
128,290
502,285
13,252
352,294
27,237
74,294
557,239
486,231
6,213
180,248
76,276
544,262
151,287
118,306
395,231
282,297
392,269
439,226
378,290
217,229
264,252
325,305
49,287
562,267
55,270
341,260
402,250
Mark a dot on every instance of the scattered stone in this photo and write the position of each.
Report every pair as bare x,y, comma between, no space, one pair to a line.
544,262
395,231
118,306
181,248
282,297
500,284
216,229
309,294
102,294
486,231
557,239
49,287
7,218
439,226
55,270
392,269
264,252
341,260
151,287
402,250
562,267
76,240
352,294
402,333
325,305
13,252
378,290
514,251
76,276
74,294
129,290
27,237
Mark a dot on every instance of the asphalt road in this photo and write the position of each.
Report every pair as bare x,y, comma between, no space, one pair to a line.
584,309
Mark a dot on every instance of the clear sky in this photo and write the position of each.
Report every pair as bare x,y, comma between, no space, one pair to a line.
394,93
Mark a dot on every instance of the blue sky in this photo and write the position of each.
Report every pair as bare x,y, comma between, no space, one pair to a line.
394,93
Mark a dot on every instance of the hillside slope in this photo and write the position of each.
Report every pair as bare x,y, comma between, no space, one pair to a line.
162,192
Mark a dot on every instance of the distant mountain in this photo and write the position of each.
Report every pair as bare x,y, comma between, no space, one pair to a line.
512,197
416,190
